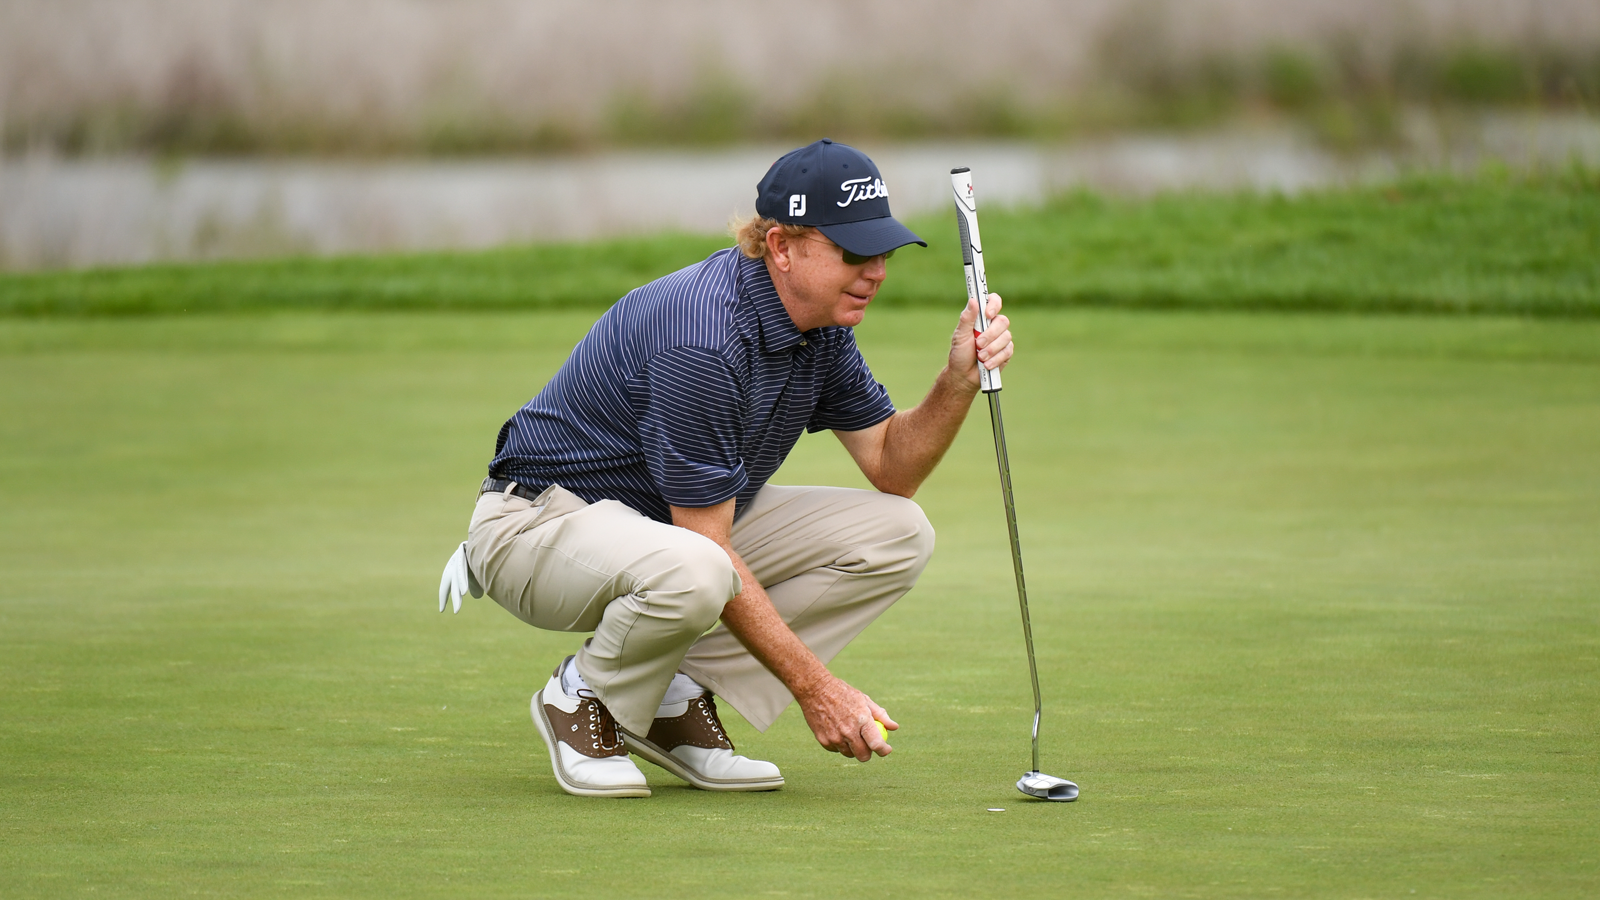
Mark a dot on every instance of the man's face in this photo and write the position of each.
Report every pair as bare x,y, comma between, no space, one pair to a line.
821,288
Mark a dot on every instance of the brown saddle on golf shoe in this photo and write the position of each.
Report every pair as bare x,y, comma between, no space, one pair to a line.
699,726
689,741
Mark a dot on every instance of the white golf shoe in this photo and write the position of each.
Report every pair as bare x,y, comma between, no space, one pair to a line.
687,740
586,747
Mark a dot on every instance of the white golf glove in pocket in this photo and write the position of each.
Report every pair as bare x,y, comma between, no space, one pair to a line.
458,580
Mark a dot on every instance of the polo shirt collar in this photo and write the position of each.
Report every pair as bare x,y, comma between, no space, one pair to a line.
778,331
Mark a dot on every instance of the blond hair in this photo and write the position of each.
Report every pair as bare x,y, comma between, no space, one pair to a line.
751,233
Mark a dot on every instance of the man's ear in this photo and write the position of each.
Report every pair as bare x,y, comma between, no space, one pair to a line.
780,249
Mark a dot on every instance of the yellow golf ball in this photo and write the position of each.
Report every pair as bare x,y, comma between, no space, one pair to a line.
882,729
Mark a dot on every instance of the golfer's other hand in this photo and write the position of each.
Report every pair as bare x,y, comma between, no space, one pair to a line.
844,720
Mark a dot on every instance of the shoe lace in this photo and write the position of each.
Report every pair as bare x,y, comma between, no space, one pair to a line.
602,727
708,709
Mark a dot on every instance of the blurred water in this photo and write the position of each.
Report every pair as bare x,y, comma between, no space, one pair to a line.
75,213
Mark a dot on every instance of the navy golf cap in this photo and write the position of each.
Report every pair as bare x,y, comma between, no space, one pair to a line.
837,189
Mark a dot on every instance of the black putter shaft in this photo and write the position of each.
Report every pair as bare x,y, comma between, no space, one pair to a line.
997,422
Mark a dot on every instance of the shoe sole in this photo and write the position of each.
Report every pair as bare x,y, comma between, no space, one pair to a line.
547,732
651,753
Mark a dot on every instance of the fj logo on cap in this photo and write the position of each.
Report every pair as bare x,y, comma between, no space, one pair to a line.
860,189
797,205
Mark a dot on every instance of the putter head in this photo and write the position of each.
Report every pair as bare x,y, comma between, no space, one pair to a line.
1047,787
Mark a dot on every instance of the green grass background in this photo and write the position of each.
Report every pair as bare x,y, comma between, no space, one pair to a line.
1315,595
1491,242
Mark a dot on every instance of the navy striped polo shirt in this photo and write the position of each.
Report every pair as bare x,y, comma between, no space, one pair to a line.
690,390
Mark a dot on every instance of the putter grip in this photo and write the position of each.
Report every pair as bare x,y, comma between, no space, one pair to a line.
972,261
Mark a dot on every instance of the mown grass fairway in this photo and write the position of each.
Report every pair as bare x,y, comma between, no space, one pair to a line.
1318,604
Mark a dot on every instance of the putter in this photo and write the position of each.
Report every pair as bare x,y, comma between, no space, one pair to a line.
1034,783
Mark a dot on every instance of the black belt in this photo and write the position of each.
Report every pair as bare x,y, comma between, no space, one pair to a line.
498,486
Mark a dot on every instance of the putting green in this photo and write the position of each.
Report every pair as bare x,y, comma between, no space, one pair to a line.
1317,600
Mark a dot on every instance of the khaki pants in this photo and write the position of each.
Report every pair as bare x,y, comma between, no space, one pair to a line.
832,560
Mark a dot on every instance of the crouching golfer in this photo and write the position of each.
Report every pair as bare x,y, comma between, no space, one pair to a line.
630,497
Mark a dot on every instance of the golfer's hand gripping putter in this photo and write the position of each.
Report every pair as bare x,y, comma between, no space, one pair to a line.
972,261
1033,782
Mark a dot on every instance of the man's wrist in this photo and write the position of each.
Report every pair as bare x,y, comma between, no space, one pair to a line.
958,385
809,681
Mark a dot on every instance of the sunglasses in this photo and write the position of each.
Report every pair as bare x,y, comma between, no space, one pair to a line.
856,260
853,259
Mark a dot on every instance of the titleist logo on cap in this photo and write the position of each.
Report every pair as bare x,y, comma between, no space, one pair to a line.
863,189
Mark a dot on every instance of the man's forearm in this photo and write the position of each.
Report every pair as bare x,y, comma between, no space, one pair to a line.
898,454
918,438
753,619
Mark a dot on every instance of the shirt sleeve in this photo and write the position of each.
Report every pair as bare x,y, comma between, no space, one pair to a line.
691,426
851,398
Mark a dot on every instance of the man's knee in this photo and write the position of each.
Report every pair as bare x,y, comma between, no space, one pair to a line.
696,577
908,539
